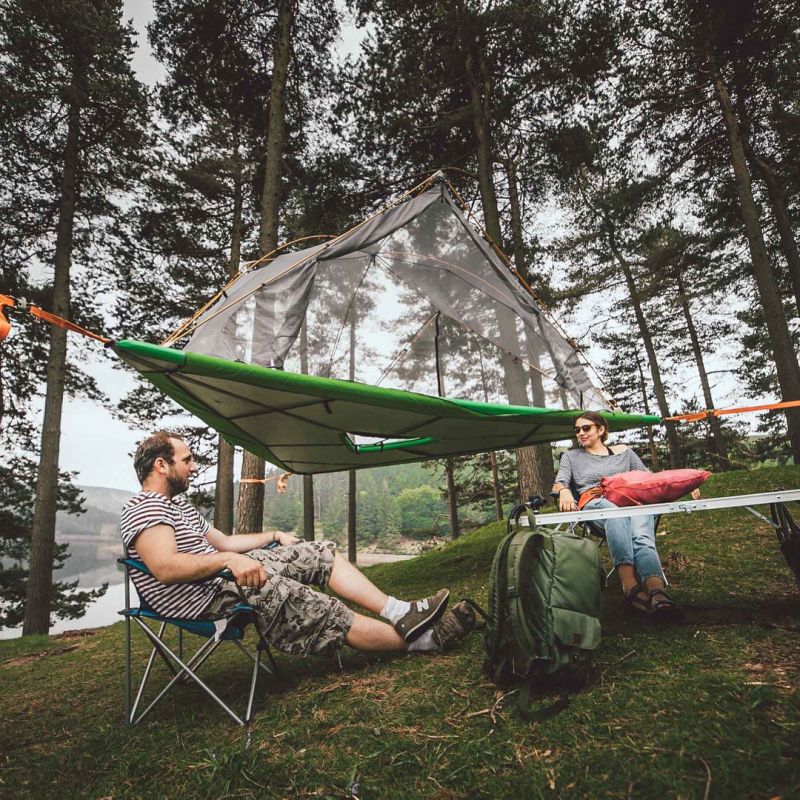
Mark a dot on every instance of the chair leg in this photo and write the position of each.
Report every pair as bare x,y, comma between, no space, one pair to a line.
201,653
267,669
150,660
256,664
128,687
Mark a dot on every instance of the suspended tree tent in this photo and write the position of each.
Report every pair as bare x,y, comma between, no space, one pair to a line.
406,338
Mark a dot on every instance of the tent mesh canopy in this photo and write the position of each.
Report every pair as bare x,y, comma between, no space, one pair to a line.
413,299
404,339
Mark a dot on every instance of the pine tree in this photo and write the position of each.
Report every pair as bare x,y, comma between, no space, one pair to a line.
684,57
473,95
77,118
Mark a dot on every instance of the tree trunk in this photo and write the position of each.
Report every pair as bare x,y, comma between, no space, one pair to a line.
452,498
251,495
783,223
675,455
351,516
223,490
514,377
308,508
784,355
534,464
775,190
498,499
351,474
40,576
717,438
308,480
651,439
276,133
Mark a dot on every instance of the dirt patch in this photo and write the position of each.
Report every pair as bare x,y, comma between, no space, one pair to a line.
77,634
20,660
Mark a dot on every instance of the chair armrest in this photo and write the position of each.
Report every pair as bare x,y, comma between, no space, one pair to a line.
140,566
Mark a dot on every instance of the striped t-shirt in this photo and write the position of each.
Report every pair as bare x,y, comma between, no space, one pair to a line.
580,470
148,509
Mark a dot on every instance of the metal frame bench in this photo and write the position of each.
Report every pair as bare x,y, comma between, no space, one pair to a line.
785,527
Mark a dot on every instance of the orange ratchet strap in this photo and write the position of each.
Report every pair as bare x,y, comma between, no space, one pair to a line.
280,486
719,412
5,325
65,323
7,302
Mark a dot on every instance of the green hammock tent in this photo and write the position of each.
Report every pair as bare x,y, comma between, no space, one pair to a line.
408,337
307,424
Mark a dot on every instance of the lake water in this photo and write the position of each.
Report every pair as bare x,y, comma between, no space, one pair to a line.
103,612
98,614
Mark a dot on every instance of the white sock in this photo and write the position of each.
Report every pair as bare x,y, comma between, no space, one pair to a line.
394,609
425,643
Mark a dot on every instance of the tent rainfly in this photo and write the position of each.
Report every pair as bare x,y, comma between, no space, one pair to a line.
405,338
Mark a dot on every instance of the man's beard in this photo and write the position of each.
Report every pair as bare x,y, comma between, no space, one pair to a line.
177,485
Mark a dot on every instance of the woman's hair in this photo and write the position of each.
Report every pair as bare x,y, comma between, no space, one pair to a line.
158,445
598,420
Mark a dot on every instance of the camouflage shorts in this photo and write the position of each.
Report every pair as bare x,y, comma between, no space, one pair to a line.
291,616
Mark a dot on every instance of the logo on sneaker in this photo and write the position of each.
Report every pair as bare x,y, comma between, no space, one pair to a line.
422,615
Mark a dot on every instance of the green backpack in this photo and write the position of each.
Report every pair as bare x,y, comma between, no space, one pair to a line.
545,599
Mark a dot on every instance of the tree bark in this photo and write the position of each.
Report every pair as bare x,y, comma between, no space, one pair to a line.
250,509
452,499
351,516
223,490
351,474
308,508
675,455
40,580
785,357
719,447
308,480
498,499
534,464
782,222
651,439
480,85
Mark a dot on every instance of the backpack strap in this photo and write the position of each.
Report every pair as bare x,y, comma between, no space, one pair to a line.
494,634
548,712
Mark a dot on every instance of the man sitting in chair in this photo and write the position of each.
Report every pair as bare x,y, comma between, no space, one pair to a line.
184,554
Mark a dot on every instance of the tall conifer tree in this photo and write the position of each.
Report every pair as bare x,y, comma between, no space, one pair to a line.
67,73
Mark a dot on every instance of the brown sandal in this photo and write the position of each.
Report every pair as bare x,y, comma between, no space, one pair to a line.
635,603
663,607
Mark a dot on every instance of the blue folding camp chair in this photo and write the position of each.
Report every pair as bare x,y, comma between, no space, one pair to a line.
231,630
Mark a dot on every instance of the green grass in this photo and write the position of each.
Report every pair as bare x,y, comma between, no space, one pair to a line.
709,708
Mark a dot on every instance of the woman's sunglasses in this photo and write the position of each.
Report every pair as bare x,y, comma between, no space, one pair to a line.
585,428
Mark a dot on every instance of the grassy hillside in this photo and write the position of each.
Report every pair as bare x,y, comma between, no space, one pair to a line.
706,709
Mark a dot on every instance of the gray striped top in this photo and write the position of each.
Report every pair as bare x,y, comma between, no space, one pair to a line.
148,509
580,470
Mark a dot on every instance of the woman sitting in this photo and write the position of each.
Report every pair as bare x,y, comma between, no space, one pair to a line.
631,540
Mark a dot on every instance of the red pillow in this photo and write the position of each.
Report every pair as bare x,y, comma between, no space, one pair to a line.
637,488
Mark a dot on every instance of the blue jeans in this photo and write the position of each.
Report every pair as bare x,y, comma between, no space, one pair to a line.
631,540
